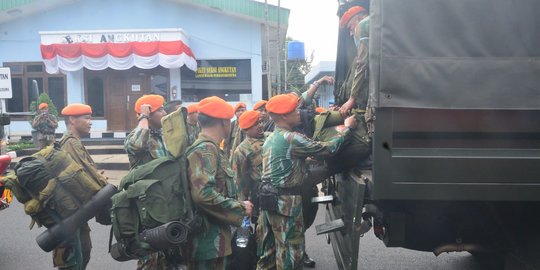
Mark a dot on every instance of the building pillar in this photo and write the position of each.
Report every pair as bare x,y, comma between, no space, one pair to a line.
75,86
176,83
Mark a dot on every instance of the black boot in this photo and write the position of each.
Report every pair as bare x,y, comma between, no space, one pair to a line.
308,262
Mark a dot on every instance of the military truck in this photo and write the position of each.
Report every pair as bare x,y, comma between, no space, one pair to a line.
456,150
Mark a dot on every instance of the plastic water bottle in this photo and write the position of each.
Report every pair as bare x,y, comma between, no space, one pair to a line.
242,233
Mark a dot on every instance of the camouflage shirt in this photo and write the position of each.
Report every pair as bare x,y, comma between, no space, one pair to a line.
212,191
193,133
144,145
76,150
45,123
284,154
247,166
359,87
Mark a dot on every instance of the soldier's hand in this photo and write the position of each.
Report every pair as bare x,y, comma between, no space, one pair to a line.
249,207
146,109
326,79
350,122
345,108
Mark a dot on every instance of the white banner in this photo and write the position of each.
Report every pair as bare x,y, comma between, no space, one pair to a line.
5,83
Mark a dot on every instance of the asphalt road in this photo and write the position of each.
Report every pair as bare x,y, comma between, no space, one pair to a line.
18,249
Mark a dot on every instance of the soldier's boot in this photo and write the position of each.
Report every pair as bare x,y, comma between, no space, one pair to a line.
308,262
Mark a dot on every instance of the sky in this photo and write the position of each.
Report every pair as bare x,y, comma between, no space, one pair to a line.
315,23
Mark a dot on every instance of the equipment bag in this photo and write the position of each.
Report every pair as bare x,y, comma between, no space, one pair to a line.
151,196
51,185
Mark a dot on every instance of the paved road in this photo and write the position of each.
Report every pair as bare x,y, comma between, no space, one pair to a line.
18,249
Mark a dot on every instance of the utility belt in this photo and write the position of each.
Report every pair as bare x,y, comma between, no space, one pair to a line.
268,195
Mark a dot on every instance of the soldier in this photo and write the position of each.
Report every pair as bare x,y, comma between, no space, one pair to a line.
144,143
193,123
356,20
75,253
45,124
247,158
212,188
281,227
268,124
236,136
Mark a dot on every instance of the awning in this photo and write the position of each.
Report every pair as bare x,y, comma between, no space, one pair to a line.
118,49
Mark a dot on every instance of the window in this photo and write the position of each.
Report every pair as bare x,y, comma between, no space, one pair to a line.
28,80
95,96
15,104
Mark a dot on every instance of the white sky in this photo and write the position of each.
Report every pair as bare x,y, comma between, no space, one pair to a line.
315,23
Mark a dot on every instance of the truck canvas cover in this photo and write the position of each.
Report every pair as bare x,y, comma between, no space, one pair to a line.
459,54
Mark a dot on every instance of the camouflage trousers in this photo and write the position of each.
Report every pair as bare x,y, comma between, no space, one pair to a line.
44,140
157,261
74,254
280,240
212,264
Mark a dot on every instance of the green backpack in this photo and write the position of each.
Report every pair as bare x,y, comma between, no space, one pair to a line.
152,196
51,185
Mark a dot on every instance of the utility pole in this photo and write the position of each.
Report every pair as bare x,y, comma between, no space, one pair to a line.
279,46
267,51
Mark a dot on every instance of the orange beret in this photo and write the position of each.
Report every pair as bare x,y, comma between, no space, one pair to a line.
239,105
216,107
320,110
248,119
76,109
259,104
347,16
282,104
192,108
43,106
155,101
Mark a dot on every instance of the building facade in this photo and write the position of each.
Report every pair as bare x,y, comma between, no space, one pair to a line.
109,53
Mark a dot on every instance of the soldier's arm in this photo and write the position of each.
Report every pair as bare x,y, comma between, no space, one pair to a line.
302,146
241,174
53,121
201,172
137,141
360,73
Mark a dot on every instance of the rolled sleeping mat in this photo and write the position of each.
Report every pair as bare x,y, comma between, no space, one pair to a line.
54,236
168,235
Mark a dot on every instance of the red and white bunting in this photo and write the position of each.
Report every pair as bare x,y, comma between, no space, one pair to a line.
120,50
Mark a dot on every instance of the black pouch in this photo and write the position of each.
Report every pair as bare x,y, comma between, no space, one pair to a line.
268,197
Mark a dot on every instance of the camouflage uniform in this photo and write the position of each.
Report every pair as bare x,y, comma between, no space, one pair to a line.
236,137
144,145
247,167
356,83
212,191
193,132
45,124
281,233
75,253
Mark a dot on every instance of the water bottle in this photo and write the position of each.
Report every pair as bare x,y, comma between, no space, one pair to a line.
242,233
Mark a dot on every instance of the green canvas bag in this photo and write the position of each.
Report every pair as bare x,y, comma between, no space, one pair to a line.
51,185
